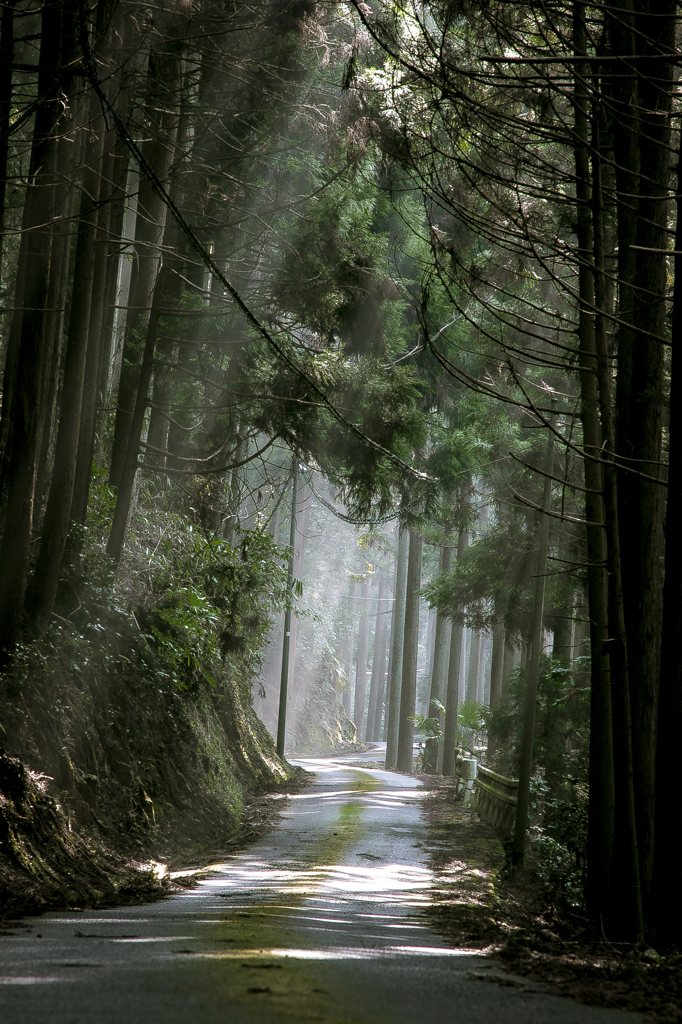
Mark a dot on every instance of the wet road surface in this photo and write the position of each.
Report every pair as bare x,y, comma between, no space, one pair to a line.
317,922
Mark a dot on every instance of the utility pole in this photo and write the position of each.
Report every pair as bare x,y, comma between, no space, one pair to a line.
284,684
526,767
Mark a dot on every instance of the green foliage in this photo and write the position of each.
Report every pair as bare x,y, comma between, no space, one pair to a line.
471,719
561,738
212,601
428,730
558,847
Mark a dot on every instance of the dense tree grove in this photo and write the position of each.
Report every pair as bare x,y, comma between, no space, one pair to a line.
422,259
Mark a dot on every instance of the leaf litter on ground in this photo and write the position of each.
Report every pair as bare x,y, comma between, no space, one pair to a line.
526,929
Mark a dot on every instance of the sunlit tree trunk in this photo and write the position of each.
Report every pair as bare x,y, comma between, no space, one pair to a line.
361,663
105,270
408,690
439,668
397,644
381,691
378,662
454,671
163,99
348,692
561,649
130,465
473,671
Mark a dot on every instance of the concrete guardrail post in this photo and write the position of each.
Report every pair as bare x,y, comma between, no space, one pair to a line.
467,778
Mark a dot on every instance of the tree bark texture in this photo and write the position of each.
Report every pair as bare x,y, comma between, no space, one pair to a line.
640,405
43,588
601,806
6,58
666,900
165,83
131,462
23,394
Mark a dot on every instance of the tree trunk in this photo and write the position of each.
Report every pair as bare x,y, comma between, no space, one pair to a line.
626,914
60,279
408,689
561,648
439,669
449,767
163,104
432,616
501,670
131,462
497,661
397,645
361,664
389,667
116,212
640,409
667,879
378,662
6,58
347,693
601,806
381,690
474,665
536,644
23,393
303,503
91,396
43,588
286,660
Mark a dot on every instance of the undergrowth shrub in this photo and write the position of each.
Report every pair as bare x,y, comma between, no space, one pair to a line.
136,701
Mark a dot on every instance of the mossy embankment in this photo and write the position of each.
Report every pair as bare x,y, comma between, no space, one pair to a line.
127,739
319,723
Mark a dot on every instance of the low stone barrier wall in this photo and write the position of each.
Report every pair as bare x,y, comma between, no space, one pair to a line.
495,799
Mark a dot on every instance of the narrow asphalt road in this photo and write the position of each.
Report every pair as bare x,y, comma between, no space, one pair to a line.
318,922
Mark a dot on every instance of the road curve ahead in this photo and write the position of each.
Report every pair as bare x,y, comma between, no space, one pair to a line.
318,922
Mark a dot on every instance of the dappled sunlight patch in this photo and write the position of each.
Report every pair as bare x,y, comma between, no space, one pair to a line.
334,953
28,979
95,920
385,881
